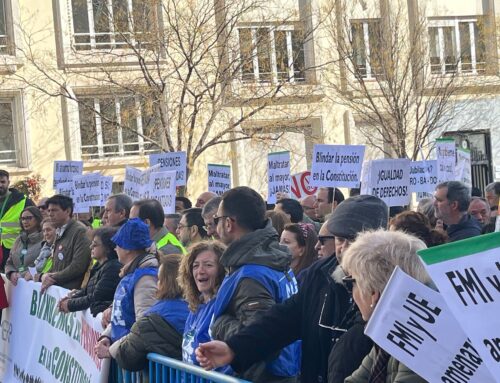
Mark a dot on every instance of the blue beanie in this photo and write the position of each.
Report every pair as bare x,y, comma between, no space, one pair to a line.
133,235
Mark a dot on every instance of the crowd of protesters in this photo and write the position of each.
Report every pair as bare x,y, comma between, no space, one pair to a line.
267,293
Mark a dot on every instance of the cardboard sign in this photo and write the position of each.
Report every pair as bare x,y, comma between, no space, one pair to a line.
390,181
278,173
423,176
171,161
87,191
413,323
64,171
162,186
106,188
132,185
337,165
467,273
66,188
463,171
219,178
301,187
446,159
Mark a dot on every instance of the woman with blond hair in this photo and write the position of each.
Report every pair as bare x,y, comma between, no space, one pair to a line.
368,264
200,277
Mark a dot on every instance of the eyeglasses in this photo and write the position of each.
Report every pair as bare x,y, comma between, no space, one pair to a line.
216,219
333,328
179,226
323,238
209,226
27,218
348,282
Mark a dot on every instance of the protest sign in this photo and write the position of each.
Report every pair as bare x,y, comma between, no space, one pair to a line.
171,161
446,159
46,345
337,165
106,188
390,181
463,172
66,188
87,191
219,178
467,273
278,175
64,171
132,185
301,187
423,176
162,186
413,323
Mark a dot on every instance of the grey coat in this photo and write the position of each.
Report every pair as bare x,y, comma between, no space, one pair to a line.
32,243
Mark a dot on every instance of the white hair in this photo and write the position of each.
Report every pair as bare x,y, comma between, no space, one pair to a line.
374,255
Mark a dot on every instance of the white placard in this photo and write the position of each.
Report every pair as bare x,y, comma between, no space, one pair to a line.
423,176
413,323
467,274
171,161
301,186
162,186
390,181
132,185
446,159
64,171
278,175
106,188
42,344
337,165
463,171
87,191
219,178
66,188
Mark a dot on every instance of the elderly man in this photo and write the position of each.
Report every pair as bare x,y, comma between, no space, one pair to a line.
492,194
208,212
117,210
203,198
451,201
480,210
307,204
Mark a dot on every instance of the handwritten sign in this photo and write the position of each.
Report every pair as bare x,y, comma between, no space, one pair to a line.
446,159
171,161
389,180
278,172
301,187
423,176
162,186
463,172
64,171
219,178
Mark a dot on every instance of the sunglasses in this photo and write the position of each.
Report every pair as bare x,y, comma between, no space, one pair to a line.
42,207
348,282
323,238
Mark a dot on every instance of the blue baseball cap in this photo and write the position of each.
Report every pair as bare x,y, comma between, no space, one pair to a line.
133,235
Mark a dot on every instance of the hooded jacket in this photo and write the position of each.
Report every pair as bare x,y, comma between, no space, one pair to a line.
466,228
250,297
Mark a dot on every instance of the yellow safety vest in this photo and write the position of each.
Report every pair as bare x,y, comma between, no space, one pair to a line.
96,223
170,238
10,227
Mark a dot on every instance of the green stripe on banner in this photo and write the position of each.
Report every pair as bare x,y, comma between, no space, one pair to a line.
275,153
220,165
460,249
445,139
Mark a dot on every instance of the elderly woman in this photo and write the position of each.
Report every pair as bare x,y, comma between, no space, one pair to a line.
200,276
27,246
136,292
104,277
160,329
369,263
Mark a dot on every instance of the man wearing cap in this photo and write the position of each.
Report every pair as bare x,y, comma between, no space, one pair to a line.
136,292
314,314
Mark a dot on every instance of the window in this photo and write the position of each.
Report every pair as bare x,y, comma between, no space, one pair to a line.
108,24
8,147
109,126
272,54
456,46
366,47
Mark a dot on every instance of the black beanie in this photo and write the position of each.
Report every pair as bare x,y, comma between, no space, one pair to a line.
357,214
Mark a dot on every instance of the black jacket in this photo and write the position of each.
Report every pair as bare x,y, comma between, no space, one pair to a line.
350,349
100,289
466,228
298,318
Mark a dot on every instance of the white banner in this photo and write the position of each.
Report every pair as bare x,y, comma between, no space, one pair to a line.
337,165
390,181
132,185
423,176
301,187
219,178
467,273
463,171
44,345
162,186
87,191
66,188
171,161
64,171
413,323
446,159
278,175
106,188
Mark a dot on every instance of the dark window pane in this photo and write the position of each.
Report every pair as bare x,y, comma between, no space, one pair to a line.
450,49
479,37
151,125
108,125
299,63
120,22
280,43
128,115
465,47
3,29
246,54
88,132
7,141
375,39
434,50
101,23
81,24
264,54
358,47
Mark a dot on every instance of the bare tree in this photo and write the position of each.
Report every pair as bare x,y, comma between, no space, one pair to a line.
192,72
382,74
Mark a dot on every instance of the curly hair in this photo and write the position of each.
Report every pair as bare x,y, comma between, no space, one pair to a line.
186,279
418,224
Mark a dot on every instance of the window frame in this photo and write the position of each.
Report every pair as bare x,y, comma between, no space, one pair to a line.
19,130
366,41
455,23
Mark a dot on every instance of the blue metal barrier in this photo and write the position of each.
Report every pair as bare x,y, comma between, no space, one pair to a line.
168,370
